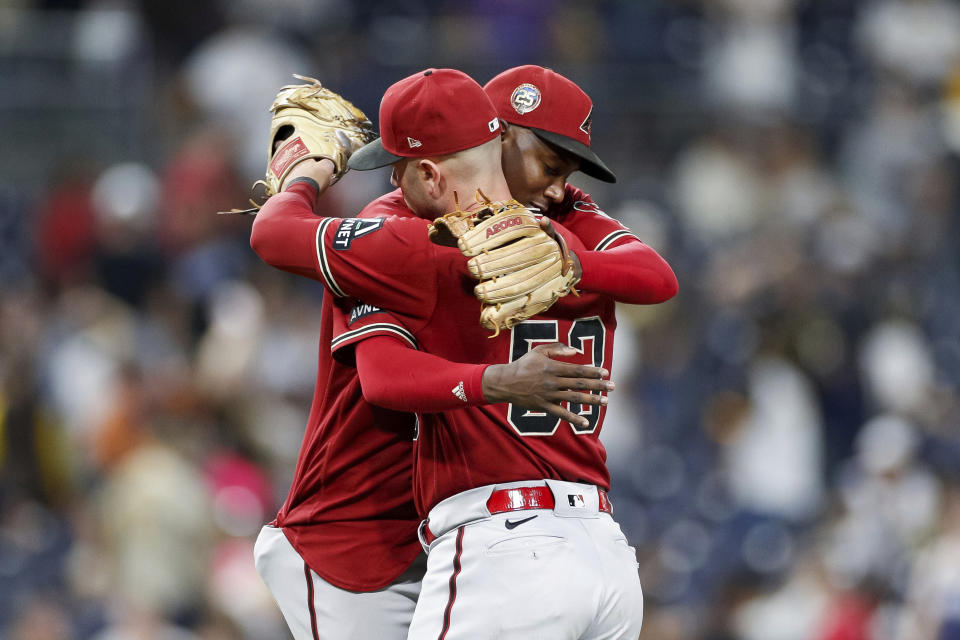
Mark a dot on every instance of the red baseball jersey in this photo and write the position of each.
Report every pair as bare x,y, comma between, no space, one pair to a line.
390,263
349,512
582,217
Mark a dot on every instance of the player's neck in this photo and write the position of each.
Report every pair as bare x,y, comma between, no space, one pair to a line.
493,186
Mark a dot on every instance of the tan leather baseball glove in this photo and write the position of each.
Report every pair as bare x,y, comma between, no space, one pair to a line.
522,270
310,121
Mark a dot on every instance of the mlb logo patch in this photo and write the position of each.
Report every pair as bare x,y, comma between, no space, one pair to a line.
576,500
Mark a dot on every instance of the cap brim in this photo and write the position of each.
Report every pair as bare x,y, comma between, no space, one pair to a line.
371,156
590,163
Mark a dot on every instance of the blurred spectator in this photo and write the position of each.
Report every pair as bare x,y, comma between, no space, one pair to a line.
155,513
751,66
898,368
126,198
42,619
774,462
65,228
919,40
234,76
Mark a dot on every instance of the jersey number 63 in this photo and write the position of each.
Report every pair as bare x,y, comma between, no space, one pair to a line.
586,335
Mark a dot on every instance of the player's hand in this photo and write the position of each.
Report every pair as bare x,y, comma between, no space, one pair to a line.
321,170
538,382
547,225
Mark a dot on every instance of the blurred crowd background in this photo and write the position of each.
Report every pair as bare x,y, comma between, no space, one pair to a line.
784,436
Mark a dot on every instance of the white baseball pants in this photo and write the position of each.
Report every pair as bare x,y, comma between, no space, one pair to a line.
314,609
564,573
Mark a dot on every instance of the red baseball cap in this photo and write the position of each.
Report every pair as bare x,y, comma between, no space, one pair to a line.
553,107
431,113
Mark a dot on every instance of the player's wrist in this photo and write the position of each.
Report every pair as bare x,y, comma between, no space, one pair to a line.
321,171
491,384
577,267
304,180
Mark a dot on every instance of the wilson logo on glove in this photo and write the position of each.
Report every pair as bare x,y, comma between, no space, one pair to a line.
500,226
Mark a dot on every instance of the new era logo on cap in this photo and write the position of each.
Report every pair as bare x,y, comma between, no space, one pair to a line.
432,113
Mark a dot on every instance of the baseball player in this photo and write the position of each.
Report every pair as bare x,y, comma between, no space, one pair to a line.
342,557
569,572
546,137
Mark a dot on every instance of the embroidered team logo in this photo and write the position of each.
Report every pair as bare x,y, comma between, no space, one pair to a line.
587,123
413,142
352,228
525,98
576,500
459,392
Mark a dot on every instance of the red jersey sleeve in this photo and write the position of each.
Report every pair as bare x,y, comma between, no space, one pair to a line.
283,231
394,376
355,321
633,273
616,262
581,215
387,261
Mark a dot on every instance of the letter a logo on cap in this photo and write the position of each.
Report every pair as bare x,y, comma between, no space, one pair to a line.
413,142
587,123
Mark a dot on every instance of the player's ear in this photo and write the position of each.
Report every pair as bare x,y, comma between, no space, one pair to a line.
505,130
430,177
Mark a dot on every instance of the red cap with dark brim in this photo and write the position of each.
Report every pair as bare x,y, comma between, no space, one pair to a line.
431,113
553,107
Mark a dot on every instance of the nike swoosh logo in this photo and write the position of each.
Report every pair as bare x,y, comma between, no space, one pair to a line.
516,523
